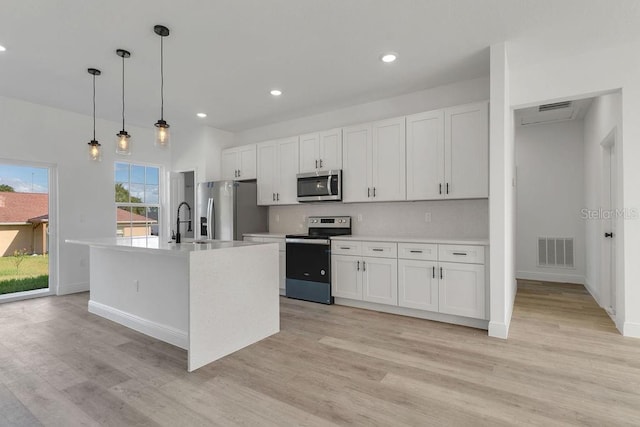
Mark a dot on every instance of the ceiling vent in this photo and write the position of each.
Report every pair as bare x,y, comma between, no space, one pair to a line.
554,106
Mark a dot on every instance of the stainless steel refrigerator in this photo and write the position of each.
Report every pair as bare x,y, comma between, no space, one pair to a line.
228,209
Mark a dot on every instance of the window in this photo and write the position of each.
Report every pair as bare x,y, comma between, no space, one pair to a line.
137,196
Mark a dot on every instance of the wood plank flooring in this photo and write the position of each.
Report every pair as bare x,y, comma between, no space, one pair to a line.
564,364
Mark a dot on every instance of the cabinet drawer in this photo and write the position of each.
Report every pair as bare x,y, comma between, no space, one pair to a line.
461,253
346,247
380,249
279,240
421,251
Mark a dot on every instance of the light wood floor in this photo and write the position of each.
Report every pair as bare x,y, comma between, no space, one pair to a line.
564,363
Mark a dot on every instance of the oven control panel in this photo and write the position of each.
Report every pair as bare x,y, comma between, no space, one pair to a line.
329,222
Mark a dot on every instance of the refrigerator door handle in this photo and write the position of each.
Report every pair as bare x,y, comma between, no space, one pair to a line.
210,219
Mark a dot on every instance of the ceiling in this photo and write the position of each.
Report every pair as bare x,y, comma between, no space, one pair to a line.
223,56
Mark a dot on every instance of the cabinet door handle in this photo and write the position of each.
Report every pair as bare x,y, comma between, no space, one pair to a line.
364,266
460,253
274,196
374,191
440,188
320,163
441,272
316,163
357,265
277,197
235,173
345,248
239,174
447,188
433,272
368,192
377,250
416,252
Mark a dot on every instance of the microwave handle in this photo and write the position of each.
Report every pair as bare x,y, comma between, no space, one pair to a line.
329,185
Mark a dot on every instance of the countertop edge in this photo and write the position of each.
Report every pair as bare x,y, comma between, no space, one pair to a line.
400,239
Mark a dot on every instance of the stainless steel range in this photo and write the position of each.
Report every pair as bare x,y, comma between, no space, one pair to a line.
309,258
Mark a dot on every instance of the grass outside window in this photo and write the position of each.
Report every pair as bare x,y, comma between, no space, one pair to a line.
32,273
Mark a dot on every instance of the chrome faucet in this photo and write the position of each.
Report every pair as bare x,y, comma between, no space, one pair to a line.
178,222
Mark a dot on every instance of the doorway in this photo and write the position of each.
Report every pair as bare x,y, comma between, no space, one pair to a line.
27,241
182,189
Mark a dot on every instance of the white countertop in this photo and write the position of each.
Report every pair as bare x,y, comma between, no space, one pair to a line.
267,234
436,240
154,245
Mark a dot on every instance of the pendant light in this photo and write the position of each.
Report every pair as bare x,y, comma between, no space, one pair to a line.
162,127
123,144
95,153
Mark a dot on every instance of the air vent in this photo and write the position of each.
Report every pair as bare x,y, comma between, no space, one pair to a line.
555,252
554,106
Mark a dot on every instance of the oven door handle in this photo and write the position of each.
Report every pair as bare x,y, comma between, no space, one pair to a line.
325,242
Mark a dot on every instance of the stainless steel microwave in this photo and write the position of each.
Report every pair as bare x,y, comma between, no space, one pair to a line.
320,186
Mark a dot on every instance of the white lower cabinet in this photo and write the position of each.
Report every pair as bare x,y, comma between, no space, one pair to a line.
461,289
418,284
346,279
380,280
410,275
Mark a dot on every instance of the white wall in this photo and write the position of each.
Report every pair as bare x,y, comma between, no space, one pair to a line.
199,149
34,133
449,218
592,74
501,195
602,117
416,102
550,196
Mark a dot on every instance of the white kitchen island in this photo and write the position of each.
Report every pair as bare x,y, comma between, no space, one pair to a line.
211,298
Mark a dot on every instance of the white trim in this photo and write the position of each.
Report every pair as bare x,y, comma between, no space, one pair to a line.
153,329
18,296
551,277
593,292
631,329
498,330
72,288
428,315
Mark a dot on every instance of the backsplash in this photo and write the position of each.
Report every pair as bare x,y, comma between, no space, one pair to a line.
449,218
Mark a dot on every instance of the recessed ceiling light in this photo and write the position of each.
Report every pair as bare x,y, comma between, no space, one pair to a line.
2,48
276,92
202,115
389,57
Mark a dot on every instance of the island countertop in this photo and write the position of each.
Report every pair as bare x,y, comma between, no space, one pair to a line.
154,244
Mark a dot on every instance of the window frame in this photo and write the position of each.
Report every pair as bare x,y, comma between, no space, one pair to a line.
159,206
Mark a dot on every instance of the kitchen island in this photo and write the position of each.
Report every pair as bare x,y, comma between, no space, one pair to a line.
210,298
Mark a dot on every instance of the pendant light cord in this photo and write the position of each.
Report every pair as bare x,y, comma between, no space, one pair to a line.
123,92
94,107
161,78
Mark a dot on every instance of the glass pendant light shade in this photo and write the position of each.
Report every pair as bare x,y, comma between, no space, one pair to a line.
95,152
162,127
123,143
162,133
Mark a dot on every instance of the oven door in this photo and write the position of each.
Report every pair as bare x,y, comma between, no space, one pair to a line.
308,270
319,186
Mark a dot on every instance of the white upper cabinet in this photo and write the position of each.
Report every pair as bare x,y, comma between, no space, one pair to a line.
277,170
356,163
388,155
425,155
321,151
448,153
373,159
466,133
239,163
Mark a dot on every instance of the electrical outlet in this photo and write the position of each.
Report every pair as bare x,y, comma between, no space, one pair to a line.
359,217
427,217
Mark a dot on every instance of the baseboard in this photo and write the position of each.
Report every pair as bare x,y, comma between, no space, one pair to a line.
73,288
428,315
631,329
499,330
156,330
550,277
592,291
